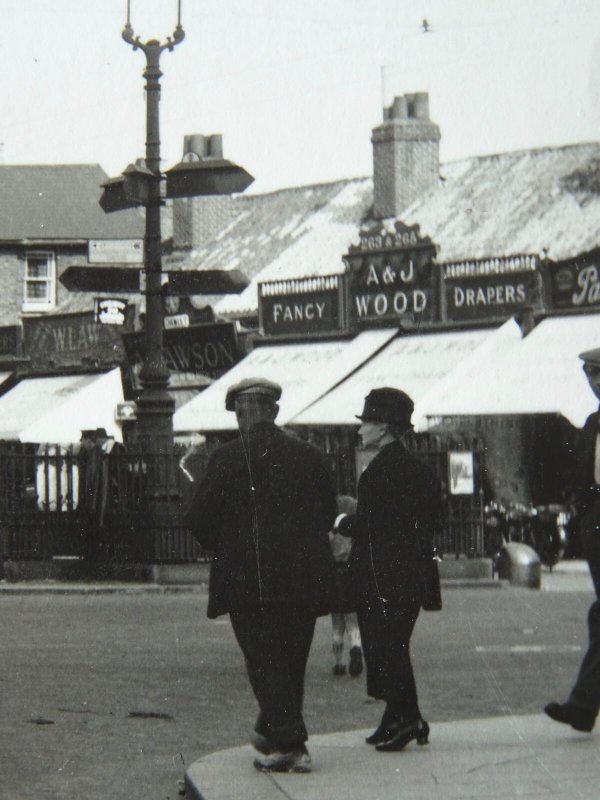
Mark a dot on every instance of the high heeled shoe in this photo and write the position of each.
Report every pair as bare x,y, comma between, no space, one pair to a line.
382,734
418,730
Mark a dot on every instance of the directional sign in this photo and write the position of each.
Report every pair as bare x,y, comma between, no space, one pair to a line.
127,279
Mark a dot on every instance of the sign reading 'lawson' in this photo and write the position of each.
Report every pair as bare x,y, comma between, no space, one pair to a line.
200,349
391,276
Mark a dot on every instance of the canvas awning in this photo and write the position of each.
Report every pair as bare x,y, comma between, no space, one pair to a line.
57,408
541,374
410,363
304,371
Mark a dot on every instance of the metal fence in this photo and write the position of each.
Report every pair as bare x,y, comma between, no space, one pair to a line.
96,503
99,503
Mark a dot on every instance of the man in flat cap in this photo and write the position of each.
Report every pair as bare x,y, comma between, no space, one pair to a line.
581,708
264,509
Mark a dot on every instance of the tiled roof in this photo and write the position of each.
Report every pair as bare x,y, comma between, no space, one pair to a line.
60,202
544,201
291,233
529,201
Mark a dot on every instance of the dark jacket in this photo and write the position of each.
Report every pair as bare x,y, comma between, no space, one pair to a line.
264,509
584,490
398,513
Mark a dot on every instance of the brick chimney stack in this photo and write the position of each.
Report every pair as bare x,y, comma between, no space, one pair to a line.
196,220
405,155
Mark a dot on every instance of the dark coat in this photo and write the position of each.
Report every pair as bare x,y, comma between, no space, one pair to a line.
398,513
264,509
583,489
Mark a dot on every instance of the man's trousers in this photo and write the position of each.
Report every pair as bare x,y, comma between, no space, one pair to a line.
276,642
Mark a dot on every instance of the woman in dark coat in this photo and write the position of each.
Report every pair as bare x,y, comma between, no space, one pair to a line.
393,563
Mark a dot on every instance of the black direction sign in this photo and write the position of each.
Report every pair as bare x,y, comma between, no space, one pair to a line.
127,279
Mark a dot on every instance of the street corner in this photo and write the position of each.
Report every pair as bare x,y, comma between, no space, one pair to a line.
504,756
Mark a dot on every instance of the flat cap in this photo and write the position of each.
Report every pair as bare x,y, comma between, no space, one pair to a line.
252,386
591,357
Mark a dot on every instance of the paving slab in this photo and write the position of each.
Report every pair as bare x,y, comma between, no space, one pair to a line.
497,757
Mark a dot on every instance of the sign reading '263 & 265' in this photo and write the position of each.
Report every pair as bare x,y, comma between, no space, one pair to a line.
391,276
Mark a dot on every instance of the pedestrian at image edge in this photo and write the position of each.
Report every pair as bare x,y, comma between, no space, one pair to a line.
264,509
581,708
397,516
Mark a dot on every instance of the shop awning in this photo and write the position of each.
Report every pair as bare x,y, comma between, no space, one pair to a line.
541,374
305,371
410,363
488,356
56,409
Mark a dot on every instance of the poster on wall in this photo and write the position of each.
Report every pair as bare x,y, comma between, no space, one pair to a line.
461,473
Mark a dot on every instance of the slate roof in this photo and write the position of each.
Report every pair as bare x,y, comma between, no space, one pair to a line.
543,201
60,202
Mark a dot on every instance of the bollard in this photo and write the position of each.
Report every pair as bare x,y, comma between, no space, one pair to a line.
520,565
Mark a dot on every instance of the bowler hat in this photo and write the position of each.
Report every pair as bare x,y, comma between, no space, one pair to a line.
591,357
387,405
260,386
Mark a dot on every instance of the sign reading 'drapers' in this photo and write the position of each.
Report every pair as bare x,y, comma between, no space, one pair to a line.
576,283
391,276
488,296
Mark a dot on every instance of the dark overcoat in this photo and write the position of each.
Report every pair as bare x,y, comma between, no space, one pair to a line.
264,510
398,514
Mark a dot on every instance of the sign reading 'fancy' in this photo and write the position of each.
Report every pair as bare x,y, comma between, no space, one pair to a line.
391,276
576,283
311,304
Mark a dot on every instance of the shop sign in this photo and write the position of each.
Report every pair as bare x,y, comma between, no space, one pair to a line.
391,276
200,349
110,310
489,296
9,338
69,340
576,283
461,473
300,313
116,251
179,312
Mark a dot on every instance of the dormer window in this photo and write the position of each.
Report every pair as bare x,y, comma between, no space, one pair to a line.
40,281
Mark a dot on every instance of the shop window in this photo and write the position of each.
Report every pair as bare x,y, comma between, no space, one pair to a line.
40,282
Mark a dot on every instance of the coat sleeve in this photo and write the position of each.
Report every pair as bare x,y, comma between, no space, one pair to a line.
326,493
205,513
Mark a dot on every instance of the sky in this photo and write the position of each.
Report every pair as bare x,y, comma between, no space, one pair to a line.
295,87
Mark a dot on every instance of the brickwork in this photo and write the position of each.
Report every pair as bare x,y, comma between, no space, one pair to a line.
405,155
196,220
11,294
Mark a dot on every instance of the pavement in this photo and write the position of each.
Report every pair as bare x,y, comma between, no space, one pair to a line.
496,757
503,756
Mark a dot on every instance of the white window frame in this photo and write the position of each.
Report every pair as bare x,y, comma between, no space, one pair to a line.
43,303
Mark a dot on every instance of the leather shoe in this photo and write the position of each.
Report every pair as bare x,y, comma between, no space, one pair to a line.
418,730
292,761
579,718
382,734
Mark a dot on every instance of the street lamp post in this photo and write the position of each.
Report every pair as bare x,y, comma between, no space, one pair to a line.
155,406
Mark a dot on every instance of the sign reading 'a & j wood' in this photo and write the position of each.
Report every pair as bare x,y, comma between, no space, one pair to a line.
391,276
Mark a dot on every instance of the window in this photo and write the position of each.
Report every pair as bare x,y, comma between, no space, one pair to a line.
40,282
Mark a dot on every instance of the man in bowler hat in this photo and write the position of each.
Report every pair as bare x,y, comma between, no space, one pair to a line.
581,708
264,509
